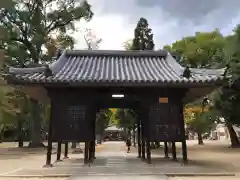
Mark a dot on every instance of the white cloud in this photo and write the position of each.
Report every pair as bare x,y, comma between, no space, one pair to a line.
111,29
114,21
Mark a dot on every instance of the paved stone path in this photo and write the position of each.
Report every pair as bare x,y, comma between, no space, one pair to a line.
128,178
116,162
113,160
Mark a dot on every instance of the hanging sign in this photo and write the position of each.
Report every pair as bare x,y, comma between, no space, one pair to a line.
163,100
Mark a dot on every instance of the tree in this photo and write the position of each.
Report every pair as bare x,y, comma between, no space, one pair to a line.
30,24
128,44
205,49
126,119
212,50
91,40
103,118
143,36
62,41
227,100
199,122
227,104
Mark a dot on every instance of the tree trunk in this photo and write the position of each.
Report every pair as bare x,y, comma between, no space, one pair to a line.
1,132
233,136
200,139
20,133
35,135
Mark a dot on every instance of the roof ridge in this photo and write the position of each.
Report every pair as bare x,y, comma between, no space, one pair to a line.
208,71
149,53
174,65
31,70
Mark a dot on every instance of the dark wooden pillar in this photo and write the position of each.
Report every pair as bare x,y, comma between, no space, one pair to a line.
143,138
149,159
20,133
94,150
147,131
59,149
94,135
182,129
86,152
174,154
139,137
91,151
92,115
166,150
50,128
66,150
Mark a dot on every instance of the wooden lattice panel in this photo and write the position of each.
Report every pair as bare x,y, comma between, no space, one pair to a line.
164,123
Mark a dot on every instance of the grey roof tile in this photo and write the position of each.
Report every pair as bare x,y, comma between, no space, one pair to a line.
99,67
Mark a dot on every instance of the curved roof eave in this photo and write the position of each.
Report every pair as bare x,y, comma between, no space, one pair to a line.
200,71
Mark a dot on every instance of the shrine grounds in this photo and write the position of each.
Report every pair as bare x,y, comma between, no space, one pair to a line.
211,161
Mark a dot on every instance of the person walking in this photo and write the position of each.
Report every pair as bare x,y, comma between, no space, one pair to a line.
128,144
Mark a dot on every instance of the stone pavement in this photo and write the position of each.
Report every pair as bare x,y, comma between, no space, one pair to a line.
113,160
213,154
205,178
128,178
16,159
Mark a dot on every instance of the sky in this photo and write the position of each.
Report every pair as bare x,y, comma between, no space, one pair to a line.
114,20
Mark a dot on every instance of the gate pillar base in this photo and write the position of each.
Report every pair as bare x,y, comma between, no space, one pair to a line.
48,165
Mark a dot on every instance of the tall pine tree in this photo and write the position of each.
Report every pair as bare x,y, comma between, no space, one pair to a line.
143,36
227,101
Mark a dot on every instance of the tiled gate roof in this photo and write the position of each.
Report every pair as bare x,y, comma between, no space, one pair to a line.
116,67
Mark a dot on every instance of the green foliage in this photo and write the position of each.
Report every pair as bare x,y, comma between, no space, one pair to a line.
126,118
227,103
233,63
199,118
212,50
143,36
31,31
202,122
31,23
5,116
227,100
102,120
14,104
128,44
205,49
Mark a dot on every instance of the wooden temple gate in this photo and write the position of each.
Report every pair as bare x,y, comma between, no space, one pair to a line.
80,83
73,116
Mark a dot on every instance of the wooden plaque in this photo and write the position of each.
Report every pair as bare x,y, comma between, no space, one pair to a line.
163,100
